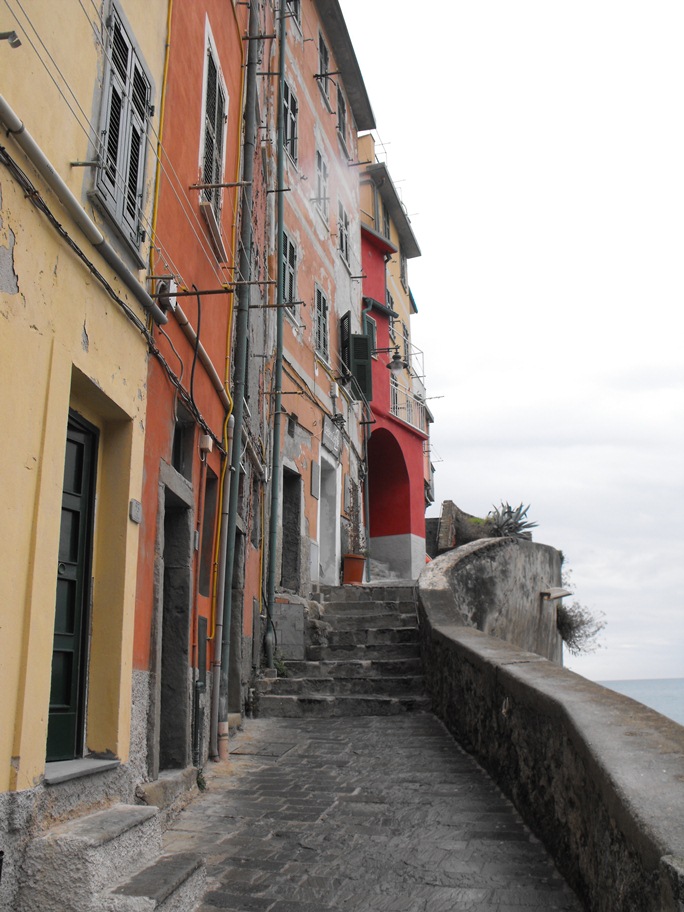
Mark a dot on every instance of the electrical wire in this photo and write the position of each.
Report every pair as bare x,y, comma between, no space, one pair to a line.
93,137
35,198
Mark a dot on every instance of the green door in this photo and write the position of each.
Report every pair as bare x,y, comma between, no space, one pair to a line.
65,721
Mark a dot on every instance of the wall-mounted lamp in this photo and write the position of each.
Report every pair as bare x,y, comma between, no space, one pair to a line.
12,37
397,363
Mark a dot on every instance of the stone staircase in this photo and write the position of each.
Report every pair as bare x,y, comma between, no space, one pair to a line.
362,658
109,861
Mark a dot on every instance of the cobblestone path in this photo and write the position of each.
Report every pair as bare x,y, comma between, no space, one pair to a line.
373,814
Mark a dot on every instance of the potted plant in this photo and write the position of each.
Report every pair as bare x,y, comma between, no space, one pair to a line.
354,559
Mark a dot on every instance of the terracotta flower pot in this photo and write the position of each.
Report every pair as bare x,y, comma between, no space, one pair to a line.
354,565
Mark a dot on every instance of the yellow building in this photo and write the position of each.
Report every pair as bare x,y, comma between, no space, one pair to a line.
79,111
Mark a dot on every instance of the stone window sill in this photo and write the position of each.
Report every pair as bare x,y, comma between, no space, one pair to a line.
64,770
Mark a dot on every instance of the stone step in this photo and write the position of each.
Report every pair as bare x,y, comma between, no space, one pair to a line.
173,883
343,621
340,686
372,636
369,652
322,706
73,864
350,608
368,593
355,668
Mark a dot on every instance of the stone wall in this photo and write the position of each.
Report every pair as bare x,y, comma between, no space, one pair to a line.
495,585
598,777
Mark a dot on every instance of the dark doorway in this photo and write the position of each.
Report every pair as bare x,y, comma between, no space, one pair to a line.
67,690
175,709
292,545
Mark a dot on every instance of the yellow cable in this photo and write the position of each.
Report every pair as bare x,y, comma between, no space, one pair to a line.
229,335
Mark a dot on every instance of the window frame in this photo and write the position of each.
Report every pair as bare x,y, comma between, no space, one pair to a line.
290,121
322,198
343,233
342,116
289,273
124,80
214,197
386,222
324,68
321,326
370,329
406,342
403,269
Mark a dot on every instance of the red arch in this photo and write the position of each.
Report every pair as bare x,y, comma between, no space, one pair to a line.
389,491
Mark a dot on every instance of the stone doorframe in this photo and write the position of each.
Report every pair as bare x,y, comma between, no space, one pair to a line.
174,484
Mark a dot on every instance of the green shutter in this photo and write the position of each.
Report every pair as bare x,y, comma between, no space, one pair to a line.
361,367
345,332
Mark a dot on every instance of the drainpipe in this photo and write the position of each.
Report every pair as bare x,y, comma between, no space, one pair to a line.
366,490
269,640
241,335
42,164
219,750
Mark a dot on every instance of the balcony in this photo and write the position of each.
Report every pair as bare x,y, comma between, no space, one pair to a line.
408,407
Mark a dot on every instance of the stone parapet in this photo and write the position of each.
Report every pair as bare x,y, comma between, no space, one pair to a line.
597,776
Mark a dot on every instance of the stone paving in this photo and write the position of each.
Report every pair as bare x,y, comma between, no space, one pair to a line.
384,814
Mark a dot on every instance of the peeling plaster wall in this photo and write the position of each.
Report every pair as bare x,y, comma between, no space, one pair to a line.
65,344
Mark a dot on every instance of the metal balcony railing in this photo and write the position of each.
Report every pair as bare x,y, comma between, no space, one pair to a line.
407,407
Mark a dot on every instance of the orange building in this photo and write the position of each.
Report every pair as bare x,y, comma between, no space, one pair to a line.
187,430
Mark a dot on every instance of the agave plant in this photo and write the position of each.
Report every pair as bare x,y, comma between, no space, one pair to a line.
510,521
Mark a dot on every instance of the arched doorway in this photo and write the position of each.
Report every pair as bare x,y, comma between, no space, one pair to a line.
389,495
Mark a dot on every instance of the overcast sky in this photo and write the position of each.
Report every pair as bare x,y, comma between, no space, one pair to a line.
539,149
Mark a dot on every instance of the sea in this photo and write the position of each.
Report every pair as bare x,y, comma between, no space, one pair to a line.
665,695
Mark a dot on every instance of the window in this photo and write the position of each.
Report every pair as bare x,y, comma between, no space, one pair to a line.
322,185
208,524
295,10
389,300
290,122
343,233
355,354
289,272
386,230
323,66
321,324
126,113
214,129
403,270
406,342
370,329
341,116
392,323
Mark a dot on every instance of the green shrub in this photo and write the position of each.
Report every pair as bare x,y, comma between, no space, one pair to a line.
507,521
579,627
